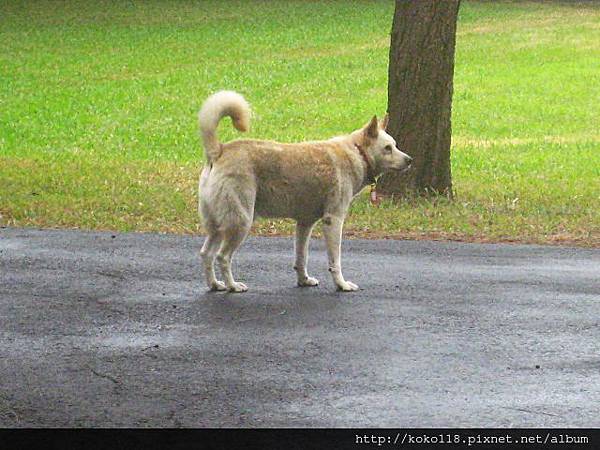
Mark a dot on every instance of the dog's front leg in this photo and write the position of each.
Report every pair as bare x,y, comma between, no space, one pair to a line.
303,231
332,229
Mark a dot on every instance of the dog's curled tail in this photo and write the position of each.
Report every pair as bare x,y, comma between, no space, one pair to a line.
215,107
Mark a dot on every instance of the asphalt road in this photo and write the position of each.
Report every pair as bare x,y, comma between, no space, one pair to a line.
101,329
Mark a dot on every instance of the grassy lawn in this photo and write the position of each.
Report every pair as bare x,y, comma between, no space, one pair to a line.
98,104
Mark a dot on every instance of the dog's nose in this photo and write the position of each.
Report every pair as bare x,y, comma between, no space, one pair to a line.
409,160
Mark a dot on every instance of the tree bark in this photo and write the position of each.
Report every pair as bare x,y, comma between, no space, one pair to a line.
421,70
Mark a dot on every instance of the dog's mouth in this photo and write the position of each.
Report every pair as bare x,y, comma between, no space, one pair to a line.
402,169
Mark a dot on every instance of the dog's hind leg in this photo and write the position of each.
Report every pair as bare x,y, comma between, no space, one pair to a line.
208,254
232,239
332,229
303,231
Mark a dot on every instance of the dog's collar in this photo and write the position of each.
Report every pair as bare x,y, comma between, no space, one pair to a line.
370,173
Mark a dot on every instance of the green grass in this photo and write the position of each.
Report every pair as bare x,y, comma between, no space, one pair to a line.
98,105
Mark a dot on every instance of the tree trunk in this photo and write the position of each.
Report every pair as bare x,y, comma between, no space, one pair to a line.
421,69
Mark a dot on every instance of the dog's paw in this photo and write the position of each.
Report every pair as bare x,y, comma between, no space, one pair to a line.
237,287
308,281
347,286
217,286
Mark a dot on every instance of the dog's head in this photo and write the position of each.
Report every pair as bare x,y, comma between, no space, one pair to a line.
382,148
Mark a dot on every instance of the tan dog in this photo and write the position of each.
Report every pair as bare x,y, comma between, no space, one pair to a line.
306,181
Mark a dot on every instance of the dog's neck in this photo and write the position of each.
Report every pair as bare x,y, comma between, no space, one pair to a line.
370,172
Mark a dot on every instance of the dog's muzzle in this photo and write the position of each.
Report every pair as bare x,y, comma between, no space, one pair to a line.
407,167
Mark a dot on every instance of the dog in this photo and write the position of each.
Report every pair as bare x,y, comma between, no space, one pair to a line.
307,182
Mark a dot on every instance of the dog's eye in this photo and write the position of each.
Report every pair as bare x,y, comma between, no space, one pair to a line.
388,148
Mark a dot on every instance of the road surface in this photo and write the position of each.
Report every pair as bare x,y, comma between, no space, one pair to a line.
110,329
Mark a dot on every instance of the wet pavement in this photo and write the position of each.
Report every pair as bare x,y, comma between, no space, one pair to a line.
107,329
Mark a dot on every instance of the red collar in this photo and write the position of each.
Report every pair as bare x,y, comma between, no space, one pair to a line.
370,173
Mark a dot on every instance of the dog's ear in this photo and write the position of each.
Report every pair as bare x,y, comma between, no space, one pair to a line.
385,121
372,128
